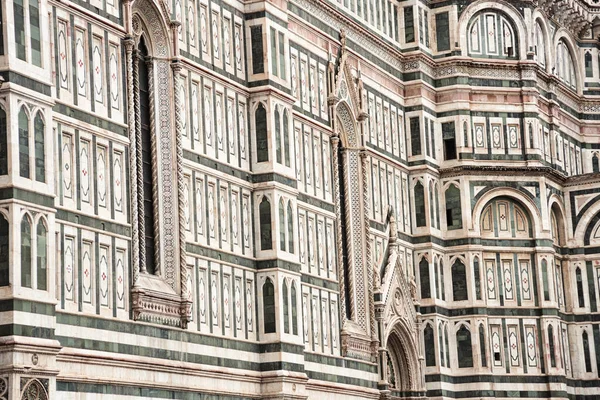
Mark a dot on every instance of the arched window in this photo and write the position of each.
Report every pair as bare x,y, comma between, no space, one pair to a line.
436,195
491,35
429,343
442,284
477,277
265,224
420,205
446,346
281,225
441,345
459,281
290,227
545,280
42,256
286,138
268,293
146,156
437,278
589,72
424,278
586,352
431,206
277,135
40,168
26,252
262,142
579,280
482,346
23,144
286,308
19,24
3,143
453,209
540,44
294,310
551,346
596,163
4,251
463,347
564,65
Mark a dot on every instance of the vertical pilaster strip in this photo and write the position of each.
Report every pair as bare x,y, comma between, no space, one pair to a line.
129,43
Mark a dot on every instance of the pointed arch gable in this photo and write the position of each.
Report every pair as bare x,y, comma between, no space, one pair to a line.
150,18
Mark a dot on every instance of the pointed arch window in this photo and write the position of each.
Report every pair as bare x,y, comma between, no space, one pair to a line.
268,292
442,284
4,251
551,349
477,275
278,148
441,345
579,282
540,44
436,196
3,143
429,343
290,227
464,349
294,310
589,71
446,346
437,278
459,281
26,252
424,278
419,192
40,168
545,280
453,208
286,138
264,211
596,162
565,68
282,231
23,144
286,308
482,346
42,256
586,352
262,143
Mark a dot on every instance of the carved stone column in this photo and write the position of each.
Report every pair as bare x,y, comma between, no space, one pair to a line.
335,142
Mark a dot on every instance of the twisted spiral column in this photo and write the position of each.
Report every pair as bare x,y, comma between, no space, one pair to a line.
154,151
139,175
135,249
368,261
338,214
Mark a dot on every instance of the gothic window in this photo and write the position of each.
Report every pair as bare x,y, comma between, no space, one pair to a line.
491,35
437,277
3,143
262,144
19,21
424,278
265,224
545,280
441,345
586,352
294,310
432,218
23,144
564,65
40,169
409,25
286,308
579,281
436,195
551,346
415,136
446,346
442,284
477,276
4,251
589,72
540,44
429,343
463,347
268,292
258,62
26,251
482,346
459,281
42,256
278,149
453,209
420,204
282,241
286,138
595,163
143,96
290,227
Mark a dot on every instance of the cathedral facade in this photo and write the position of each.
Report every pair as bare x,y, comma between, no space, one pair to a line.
299,199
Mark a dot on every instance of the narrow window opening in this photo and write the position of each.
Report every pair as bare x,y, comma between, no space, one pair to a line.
465,351
26,252
286,308
269,307
265,224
